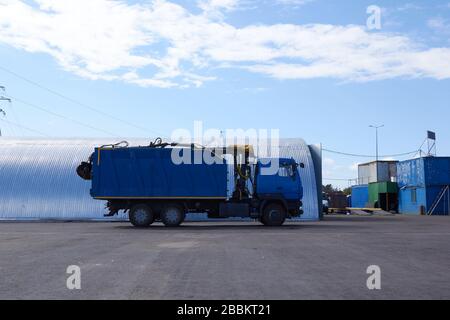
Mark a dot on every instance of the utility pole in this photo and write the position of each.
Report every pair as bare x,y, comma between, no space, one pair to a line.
2,112
376,138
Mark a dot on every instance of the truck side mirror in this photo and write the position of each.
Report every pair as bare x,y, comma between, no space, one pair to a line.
302,165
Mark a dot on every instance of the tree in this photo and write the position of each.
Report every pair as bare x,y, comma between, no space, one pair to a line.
347,191
329,189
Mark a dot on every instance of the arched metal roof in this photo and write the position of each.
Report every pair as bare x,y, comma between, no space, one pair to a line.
38,179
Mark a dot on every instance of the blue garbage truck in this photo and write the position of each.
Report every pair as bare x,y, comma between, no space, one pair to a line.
151,186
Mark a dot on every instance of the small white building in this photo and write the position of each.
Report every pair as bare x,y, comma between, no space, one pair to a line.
377,171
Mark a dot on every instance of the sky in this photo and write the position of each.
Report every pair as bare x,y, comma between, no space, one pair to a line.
314,69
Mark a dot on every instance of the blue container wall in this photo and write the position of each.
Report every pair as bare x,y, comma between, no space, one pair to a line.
437,171
139,172
437,176
360,196
426,175
411,173
411,180
443,207
407,205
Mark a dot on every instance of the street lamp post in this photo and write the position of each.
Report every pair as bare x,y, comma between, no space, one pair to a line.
376,138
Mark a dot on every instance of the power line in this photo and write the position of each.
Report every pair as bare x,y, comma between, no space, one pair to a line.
368,156
62,116
78,102
24,127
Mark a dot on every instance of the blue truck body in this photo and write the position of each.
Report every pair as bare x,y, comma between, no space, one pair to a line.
130,173
151,186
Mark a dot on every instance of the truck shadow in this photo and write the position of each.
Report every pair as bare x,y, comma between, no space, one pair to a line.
209,227
244,227
328,223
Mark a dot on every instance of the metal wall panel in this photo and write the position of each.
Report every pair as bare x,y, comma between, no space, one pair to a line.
443,206
437,171
300,151
38,179
360,196
407,205
316,155
411,181
364,174
411,173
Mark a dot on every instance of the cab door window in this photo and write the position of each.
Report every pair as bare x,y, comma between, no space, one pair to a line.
286,171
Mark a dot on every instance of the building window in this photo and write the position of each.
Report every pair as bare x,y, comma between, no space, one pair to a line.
414,195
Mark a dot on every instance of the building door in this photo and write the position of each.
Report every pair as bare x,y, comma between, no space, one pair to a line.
388,201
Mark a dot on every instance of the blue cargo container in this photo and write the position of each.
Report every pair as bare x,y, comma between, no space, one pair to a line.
150,173
424,186
360,196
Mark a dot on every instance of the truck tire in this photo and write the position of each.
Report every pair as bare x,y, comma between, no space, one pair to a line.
173,215
141,216
274,215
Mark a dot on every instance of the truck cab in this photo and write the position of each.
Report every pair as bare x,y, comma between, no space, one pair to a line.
285,186
286,183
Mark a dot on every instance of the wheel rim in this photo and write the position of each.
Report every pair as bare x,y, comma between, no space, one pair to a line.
172,215
141,216
275,215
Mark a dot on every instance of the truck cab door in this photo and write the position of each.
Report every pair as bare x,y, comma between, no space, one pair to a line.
289,182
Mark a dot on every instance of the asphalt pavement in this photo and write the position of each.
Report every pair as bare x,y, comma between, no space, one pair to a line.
228,260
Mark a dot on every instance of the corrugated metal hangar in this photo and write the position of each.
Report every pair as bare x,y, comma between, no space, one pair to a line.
38,179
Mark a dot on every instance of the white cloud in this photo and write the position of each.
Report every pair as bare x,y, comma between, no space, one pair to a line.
439,24
329,167
213,5
295,3
409,6
329,162
162,44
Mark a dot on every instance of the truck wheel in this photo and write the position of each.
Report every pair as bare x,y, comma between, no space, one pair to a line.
274,215
141,216
172,215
